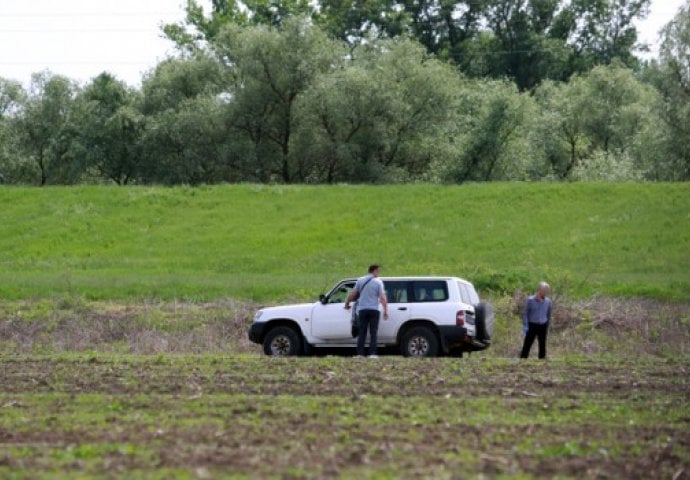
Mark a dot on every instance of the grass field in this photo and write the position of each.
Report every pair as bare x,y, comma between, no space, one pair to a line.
124,312
277,243
120,416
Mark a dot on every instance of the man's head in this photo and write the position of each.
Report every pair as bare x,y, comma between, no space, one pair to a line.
375,270
542,289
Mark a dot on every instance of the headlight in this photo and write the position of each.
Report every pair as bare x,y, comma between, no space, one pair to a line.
258,314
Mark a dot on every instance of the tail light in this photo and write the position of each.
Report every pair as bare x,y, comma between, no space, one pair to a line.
460,318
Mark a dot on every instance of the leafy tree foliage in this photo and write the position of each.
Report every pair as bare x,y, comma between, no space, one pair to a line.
110,129
525,40
46,130
490,137
603,113
12,97
603,30
198,29
342,91
671,75
270,69
184,136
380,118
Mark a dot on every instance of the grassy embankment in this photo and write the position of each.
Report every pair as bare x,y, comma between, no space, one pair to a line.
271,244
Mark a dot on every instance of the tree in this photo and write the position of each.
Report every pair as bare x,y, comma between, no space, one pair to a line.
601,114
12,97
189,144
490,136
184,137
673,81
110,129
562,133
177,79
602,30
199,30
519,41
381,118
46,130
525,40
271,68
533,40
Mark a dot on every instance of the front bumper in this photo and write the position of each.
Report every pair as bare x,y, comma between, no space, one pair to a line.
256,332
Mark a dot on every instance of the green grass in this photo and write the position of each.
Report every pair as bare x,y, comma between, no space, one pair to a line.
277,243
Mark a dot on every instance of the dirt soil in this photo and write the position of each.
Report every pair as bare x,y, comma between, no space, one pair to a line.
219,416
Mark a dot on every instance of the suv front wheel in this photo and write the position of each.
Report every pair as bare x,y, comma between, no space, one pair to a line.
419,342
281,341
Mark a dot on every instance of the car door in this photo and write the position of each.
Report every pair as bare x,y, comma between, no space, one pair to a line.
398,294
330,322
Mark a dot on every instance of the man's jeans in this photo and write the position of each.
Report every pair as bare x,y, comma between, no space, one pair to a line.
368,320
535,330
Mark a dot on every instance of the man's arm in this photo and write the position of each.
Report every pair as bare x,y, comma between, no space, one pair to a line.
525,316
350,297
384,302
548,312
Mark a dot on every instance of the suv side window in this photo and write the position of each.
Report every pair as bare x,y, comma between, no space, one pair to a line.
340,293
468,294
464,294
430,291
474,298
397,291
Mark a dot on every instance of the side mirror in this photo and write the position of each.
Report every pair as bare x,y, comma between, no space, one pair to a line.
323,299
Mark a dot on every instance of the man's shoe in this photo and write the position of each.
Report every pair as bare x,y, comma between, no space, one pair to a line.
373,356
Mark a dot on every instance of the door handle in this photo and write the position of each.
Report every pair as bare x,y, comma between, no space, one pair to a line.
402,308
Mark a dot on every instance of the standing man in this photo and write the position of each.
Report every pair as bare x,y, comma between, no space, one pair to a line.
371,293
535,320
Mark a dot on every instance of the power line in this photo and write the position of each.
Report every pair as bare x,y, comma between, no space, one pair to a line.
83,14
77,30
79,62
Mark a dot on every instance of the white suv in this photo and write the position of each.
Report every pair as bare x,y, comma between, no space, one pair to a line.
428,316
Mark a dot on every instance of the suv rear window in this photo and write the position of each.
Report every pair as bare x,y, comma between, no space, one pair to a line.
430,291
468,294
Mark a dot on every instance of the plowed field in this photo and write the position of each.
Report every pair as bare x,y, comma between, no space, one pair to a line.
252,416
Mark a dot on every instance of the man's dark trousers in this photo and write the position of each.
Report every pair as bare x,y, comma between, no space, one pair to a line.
368,320
538,330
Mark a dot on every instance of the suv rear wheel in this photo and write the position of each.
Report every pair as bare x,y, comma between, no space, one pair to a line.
281,341
419,342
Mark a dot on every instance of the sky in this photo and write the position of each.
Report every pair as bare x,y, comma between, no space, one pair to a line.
82,38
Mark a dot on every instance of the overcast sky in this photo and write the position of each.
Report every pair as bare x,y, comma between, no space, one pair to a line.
82,38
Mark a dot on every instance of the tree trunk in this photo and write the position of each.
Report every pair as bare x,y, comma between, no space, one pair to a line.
41,165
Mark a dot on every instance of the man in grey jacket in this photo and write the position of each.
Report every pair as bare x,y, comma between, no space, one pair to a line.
371,293
535,320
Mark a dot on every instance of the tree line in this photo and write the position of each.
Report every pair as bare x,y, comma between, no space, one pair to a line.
291,91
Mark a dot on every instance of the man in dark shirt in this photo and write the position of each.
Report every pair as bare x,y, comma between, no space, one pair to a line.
535,320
